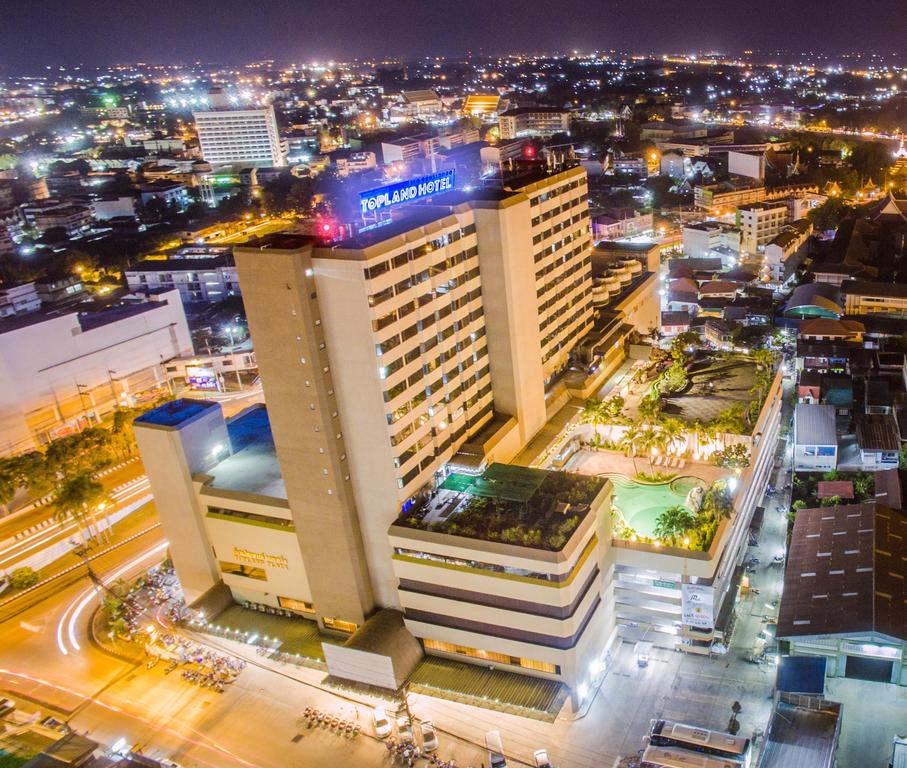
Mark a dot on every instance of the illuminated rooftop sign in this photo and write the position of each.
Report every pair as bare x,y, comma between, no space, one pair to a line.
374,200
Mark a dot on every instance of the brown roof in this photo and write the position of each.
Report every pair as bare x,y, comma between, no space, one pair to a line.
846,573
825,326
877,432
718,286
829,488
888,485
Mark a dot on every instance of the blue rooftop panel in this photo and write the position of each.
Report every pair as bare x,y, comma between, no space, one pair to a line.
250,427
175,412
802,674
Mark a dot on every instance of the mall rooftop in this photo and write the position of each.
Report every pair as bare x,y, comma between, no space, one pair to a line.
508,504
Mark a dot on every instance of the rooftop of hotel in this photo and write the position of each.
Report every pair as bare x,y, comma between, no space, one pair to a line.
175,413
508,504
252,468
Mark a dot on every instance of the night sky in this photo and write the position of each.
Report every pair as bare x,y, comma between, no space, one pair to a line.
38,32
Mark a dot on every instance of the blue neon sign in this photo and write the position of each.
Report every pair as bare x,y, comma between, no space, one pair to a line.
373,200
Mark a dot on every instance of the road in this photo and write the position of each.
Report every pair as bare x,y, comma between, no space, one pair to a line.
32,530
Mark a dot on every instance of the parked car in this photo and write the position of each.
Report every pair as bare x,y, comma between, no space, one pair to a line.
6,706
429,736
382,723
495,749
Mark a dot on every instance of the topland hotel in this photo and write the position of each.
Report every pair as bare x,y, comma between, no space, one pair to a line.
405,368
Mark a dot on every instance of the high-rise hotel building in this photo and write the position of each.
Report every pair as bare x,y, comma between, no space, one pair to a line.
388,361
227,135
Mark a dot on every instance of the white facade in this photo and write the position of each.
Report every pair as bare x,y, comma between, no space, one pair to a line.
759,223
709,239
516,123
57,371
240,136
195,279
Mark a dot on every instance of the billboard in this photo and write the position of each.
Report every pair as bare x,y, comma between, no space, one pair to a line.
201,378
697,606
374,200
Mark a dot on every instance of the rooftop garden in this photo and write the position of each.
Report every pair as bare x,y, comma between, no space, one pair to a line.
689,398
510,504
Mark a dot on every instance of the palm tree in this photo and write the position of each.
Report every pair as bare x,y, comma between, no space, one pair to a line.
73,500
630,444
595,413
674,432
651,441
674,522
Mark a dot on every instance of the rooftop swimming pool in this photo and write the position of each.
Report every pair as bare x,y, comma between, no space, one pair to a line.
640,503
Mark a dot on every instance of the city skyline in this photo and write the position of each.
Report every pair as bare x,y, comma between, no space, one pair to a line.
303,31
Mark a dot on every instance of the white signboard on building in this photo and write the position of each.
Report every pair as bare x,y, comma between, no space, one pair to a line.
697,606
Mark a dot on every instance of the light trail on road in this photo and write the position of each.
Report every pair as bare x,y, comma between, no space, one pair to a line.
74,610
203,743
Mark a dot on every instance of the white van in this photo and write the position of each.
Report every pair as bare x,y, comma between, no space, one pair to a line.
495,749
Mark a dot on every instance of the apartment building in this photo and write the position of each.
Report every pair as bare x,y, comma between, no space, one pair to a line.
533,121
712,239
784,252
240,136
197,279
759,223
724,198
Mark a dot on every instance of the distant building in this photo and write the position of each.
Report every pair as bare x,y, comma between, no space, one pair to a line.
240,136
724,198
62,371
759,223
712,239
197,279
481,105
617,223
420,103
661,130
533,121
815,438
354,162
75,218
785,251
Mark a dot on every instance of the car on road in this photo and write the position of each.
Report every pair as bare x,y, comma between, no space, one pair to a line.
429,736
6,706
382,723
541,759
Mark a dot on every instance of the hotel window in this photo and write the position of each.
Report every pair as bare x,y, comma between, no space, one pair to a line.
238,569
500,658
340,625
291,604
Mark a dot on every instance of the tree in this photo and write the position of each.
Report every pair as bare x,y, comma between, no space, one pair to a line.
683,341
74,499
23,578
828,215
650,407
674,432
675,378
735,456
674,522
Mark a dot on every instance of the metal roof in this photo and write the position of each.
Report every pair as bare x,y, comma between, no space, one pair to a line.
846,573
814,424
